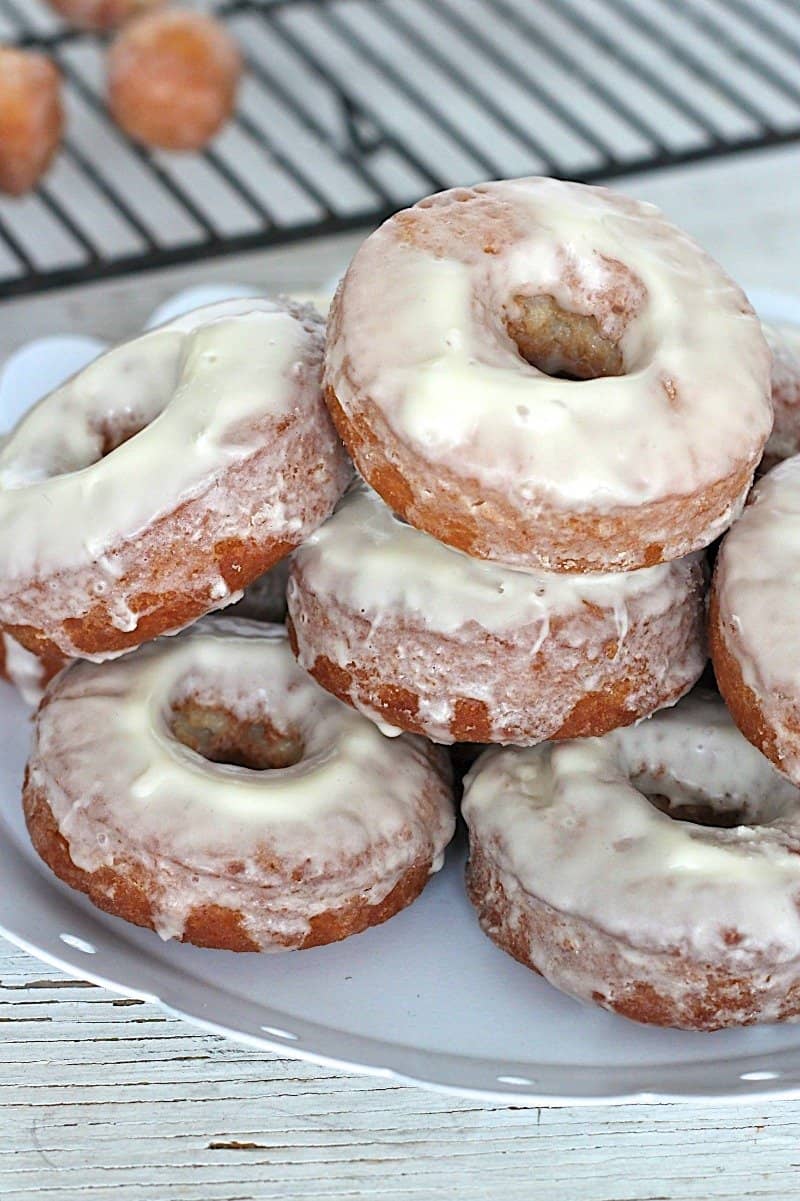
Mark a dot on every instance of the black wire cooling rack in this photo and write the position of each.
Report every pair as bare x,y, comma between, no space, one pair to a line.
353,108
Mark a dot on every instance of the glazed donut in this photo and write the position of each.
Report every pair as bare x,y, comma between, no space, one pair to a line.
754,621
163,478
447,345
173,78
31,118
419,636
224,799
101,14
654,871
784,441
30,674
263,600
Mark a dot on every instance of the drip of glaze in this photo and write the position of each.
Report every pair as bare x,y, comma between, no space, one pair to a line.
373,561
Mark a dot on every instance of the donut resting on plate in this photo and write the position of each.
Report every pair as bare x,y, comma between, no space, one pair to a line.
205,787
654,872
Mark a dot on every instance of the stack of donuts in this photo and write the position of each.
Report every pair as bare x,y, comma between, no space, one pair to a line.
556,403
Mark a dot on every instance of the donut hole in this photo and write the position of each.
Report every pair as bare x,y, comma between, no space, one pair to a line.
724,808
114,434
221,736
559,343
699,812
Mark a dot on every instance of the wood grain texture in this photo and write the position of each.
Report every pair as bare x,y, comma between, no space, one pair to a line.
103,1097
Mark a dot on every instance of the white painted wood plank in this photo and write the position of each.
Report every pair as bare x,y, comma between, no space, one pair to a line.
100,1098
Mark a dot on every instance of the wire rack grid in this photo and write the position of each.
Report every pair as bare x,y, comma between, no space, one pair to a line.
353,108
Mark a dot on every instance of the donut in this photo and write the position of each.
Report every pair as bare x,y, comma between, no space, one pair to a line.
30,674
224,799
784,441
101,14
754,622
31,118
422,637
173,78
529,370
654,871
263,600
164,478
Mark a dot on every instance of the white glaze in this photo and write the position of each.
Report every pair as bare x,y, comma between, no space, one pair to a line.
758,583
784,343
208,387
570,824
118,779
202,295
58,504
423,337
374,561
397,577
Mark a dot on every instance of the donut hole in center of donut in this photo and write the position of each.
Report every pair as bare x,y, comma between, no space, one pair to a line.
222,737
113,434
732,798
559,343
699,812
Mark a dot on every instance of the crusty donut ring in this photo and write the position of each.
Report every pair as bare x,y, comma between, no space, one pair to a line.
784,441
754,619
31,118
173,78
264,600
164,478
140,803
420,636
576,872
438,343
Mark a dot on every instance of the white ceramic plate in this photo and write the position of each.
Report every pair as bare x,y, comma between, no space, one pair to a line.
425,998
